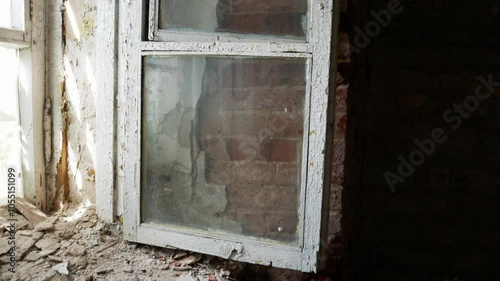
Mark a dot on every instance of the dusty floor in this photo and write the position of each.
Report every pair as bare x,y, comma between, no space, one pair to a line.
75,245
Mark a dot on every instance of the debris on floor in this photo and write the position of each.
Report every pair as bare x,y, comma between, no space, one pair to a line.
75,245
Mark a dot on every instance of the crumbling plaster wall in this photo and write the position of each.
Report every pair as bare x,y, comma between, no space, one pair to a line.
71,94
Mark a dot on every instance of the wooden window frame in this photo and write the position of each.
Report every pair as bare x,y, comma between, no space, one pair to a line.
30,44
131,44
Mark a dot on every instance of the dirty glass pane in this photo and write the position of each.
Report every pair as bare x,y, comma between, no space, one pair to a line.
263,17
10,140
12,14
222,144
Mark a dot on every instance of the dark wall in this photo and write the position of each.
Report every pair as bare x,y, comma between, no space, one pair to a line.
443,221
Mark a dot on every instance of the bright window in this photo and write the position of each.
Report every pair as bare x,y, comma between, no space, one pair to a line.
21,110
10,138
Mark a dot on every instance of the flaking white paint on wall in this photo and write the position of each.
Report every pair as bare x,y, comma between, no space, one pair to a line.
71,73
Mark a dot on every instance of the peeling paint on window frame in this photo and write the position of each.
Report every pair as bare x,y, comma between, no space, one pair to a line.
130,50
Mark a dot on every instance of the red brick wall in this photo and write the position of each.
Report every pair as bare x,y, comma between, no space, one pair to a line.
250,125
260,169
339,141
264,17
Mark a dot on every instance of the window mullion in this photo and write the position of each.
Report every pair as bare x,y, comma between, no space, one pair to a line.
13,38
231,48
27,20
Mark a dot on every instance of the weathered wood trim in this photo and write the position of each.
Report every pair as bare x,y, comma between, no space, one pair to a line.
305,154
269,254
54,90
31,105
246,54
13,37
153,19
130,36
228,47
36,26
320,31
29,211
162,35
106,48
29,12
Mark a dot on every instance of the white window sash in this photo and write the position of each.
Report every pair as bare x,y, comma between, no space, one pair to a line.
31,98
17,38
307,256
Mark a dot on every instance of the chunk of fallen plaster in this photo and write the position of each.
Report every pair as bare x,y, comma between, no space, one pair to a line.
48,246
4,246
75,250
24,243
103,270
32,256
185,278
54,259
61,268
46,225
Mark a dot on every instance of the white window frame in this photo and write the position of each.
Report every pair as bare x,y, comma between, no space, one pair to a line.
17,38
128,47
30,43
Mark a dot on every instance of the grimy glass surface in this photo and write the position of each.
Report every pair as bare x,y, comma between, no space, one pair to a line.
284,18
222,144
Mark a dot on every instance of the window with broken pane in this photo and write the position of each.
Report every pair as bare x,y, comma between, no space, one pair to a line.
286,18
223,143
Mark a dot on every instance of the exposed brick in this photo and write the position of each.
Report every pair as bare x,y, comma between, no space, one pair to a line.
249,149
287,222
222,100
334,225
336,198
262,6
259,173
219,172
285,24
212,123
344,48
253,23
340,126
287,174
290,74
341,100
247,74
337,174
338,152
253,223
284,151
248,124
251,197
286,125
263,17
283,100
215,148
